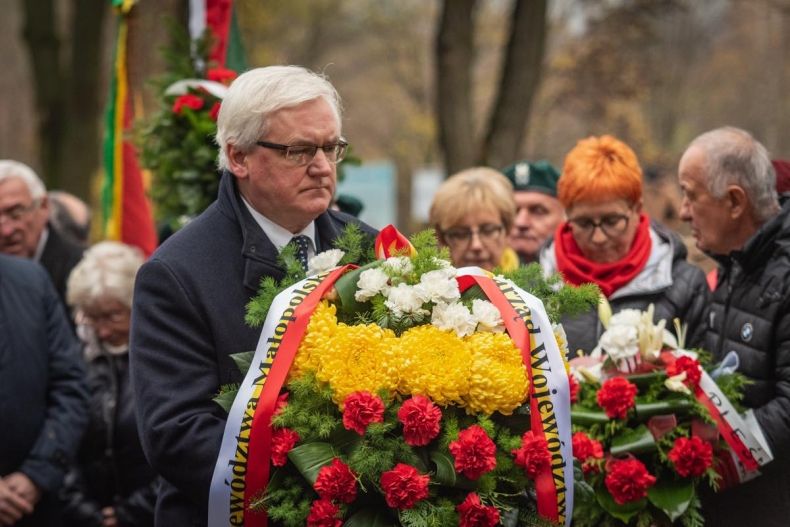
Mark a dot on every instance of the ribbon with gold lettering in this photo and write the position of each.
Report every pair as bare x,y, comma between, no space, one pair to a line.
237,481
549,394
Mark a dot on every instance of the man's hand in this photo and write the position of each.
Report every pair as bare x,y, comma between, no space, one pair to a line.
14,505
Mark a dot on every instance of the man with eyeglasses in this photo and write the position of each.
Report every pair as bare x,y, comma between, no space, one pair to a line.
24,227
731,203
279,136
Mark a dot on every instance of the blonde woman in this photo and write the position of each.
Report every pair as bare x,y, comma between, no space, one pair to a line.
472,212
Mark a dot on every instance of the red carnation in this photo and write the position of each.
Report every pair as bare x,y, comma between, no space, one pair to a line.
688,365
587,450
691,456
336,482
628,480
420,418
616,397
574,388
403,486
187,101
472,513
283,440
533,456
360,409
222,75
214,112
323,513
474,452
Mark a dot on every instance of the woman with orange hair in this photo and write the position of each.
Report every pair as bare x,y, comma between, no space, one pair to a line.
609,241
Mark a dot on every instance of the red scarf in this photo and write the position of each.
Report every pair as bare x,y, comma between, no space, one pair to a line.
577,269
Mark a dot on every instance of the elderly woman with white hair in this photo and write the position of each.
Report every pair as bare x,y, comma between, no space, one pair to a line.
111,484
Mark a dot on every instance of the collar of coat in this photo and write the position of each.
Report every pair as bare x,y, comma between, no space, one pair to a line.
258,252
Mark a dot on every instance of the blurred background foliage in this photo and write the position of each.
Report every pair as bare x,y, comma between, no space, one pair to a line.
655,73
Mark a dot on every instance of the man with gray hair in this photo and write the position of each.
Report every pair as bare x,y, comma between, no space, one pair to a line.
279,136
730,201
24,227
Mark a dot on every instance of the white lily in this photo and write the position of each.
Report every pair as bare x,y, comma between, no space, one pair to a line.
676,384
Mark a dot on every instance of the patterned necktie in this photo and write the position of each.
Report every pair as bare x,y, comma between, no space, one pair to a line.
302,243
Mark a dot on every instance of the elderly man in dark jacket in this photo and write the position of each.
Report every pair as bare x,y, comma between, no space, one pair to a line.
280,137
731,203
43,397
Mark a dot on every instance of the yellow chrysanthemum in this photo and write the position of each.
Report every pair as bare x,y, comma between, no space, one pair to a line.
498,380
357,358
322,325
435,363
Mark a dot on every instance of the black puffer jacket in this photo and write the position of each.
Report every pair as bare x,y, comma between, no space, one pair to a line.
675,287
111,469
750,315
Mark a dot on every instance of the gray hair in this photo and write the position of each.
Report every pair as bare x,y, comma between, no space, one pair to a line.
734,157
256,94
106,270
14,169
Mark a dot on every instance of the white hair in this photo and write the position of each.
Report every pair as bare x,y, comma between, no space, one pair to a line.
107,270
256,94
734,157
14,169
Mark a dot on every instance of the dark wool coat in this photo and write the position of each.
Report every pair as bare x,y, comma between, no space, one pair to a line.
188,318
59,257
675,287
750,314
111,470
43,398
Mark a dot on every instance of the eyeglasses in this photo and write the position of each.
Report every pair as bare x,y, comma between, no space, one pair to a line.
462,236
301,155
17,212
612,225
110,318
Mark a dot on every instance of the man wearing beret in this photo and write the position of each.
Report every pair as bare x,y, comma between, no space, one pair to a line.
538,211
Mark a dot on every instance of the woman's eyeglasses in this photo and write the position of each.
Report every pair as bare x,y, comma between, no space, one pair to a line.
462,236
612,225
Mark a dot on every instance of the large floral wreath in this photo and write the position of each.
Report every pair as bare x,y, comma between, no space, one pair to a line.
406,399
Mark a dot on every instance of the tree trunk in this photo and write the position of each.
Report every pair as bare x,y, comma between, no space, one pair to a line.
454,53
44,49
86,93
67,87
519,83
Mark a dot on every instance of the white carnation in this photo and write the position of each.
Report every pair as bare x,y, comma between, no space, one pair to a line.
371,282
445,266
436,286
404,300
455,317
620,342
488,316
398,265
626,317
324,261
